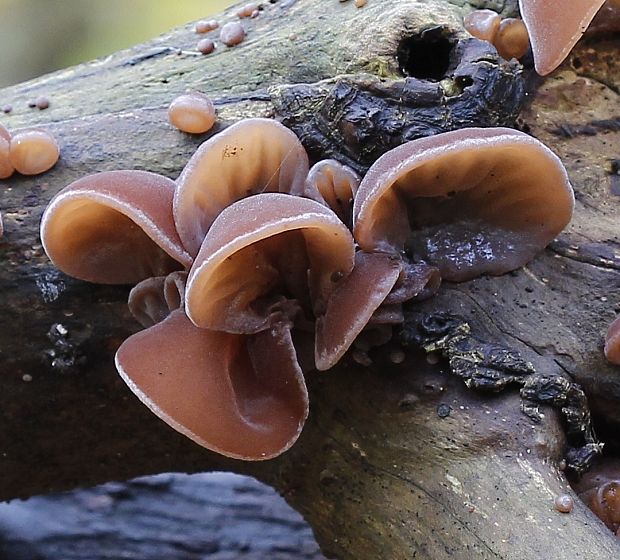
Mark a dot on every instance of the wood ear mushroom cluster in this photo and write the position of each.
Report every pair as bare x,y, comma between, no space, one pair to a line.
251,257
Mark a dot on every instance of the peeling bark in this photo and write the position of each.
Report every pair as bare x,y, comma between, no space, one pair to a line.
396,461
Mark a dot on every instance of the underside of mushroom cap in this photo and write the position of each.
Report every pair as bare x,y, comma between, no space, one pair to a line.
266,246
241,396
470,202
114,228
250,157
554,26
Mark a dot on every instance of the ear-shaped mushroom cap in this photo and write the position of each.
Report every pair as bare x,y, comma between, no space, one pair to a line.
612,342
261,247
114,228
336,184
554,26
241,396
470,202
250,157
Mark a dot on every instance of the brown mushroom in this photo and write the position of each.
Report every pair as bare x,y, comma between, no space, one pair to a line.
599,489
219,389
612,342
192,112
470,202
482,24
204,26
336,184
147,302
512,39
249,157
232,33
91,226
6,167
33,152
353,303
261,258
554,27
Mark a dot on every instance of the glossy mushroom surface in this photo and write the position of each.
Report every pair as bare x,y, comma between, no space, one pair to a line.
554,26
250,157
33,152
263,257
192,112
483,24
353,303
336,185
612,342
219,389
6,167
92,225
470,202
512,39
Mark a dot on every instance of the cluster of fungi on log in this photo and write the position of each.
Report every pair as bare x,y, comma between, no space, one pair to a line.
253,256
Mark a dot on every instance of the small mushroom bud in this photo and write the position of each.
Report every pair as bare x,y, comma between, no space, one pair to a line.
206,46
192,112
335,184
247,10
512,40
206,26
6,168
33,152
483,24
232,34
612,342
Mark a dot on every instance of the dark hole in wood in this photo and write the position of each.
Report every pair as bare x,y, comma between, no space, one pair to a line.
425,56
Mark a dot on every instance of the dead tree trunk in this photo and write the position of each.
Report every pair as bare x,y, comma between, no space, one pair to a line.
396,461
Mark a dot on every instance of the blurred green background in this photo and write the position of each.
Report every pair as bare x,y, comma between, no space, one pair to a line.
39,36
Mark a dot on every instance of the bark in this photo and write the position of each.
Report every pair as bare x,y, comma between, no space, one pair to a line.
396,461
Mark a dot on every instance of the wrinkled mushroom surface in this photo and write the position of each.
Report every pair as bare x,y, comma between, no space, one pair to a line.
554,26
92,225
469,202
250,157
260,249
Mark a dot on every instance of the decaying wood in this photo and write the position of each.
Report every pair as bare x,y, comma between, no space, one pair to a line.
177,517
396,461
